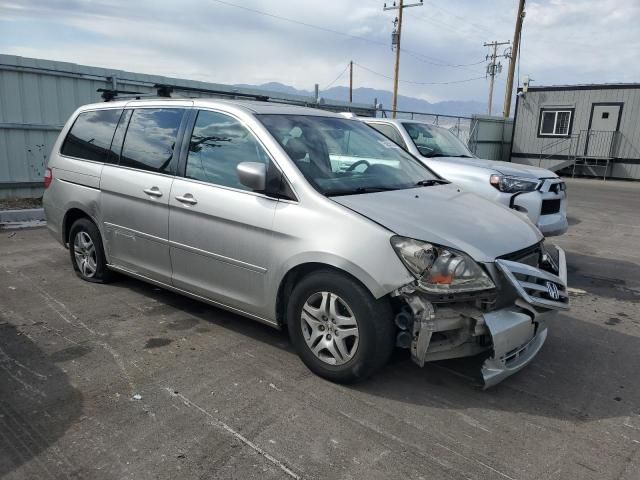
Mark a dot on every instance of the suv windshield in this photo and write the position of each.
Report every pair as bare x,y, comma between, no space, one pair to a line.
435,141
345,157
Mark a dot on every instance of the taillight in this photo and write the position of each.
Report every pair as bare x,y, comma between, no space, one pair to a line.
48,177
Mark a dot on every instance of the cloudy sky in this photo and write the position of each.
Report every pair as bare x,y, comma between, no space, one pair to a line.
311,41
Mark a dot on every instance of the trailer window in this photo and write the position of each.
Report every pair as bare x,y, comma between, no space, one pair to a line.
555,123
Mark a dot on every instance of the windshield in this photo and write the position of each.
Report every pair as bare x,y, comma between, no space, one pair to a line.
434,141
345,157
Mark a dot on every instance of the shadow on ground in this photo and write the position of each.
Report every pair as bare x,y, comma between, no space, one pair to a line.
604,277
37,403
584,372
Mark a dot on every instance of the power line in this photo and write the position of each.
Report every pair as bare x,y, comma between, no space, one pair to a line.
425,58
291,20
418,83
459,65
462,19
336,79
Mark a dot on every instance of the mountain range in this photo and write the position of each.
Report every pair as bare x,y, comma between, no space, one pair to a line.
368,95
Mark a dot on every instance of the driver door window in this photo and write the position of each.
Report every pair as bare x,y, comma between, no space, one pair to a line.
218,144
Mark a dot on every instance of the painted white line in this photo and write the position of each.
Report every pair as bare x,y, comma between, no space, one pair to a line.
476,460
237,435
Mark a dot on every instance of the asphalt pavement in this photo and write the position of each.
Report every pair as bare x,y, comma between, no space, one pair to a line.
127,381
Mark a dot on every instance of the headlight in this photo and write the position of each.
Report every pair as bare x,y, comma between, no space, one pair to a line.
513,184
438,269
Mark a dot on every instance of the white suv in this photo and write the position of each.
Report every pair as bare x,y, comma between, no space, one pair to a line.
536,192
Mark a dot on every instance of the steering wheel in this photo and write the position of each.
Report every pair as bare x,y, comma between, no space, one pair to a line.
354,165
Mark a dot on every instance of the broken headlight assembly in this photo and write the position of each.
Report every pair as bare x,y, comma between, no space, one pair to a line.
440,270
508,184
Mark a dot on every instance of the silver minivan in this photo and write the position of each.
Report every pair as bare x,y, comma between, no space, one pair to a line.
303,220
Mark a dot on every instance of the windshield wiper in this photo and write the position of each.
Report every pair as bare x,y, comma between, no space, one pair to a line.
357,191
433,155
430,183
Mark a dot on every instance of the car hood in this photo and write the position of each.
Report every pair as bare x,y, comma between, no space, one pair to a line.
505,168
447,216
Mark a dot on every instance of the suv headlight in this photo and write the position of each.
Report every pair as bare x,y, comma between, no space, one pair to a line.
438,269
513,184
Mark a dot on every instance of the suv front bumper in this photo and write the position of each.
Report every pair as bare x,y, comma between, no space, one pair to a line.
535,205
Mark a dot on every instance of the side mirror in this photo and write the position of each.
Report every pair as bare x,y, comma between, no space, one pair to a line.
253,175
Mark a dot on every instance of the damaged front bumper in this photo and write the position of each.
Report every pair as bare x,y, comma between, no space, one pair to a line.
514,332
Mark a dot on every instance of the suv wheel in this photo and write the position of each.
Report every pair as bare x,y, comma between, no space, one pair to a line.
87,253
339,330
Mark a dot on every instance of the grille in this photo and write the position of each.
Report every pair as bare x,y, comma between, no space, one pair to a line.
550,206
537,287
529,256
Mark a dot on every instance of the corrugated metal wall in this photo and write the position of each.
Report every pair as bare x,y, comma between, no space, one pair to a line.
491,137
37,97
529,148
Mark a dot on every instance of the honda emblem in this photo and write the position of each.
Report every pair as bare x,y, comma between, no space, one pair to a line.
552,290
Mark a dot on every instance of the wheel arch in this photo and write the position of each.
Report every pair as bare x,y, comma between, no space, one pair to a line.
302,269
71,215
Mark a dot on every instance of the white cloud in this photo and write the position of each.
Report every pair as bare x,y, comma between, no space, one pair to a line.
564,41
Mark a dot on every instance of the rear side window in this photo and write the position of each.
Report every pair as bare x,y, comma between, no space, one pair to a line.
150,141
91,134
390,132
218,144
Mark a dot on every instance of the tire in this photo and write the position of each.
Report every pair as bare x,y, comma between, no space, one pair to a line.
87,252
341,355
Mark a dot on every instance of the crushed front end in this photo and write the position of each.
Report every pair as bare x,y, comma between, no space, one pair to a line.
508,320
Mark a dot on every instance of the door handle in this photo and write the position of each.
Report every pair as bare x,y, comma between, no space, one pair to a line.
153,191
187,198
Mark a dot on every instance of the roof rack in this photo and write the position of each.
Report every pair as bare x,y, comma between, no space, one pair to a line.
168,89
165,91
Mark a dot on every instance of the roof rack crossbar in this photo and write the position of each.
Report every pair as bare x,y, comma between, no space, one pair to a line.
109,94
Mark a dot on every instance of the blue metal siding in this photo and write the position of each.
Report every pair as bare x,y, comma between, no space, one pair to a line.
38,96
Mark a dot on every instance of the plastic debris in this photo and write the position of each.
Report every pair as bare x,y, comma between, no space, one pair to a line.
137,396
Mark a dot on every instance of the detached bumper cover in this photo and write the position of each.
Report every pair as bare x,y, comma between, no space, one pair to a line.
517,331
518,336
515,344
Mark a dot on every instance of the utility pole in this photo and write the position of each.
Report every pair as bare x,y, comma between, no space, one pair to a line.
395,41
514,58
493,68
351,81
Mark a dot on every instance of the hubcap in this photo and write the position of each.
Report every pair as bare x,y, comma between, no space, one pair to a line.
330,328
85,253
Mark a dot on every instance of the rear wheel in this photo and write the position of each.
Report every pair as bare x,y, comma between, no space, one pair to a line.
87,252
339,330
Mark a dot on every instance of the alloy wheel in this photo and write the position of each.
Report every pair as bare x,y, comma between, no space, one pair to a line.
330,328
85,253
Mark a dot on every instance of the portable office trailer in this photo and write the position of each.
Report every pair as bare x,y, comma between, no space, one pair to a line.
579,129
37,97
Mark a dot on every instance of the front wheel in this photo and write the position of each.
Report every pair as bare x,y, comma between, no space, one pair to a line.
339,330
87,252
